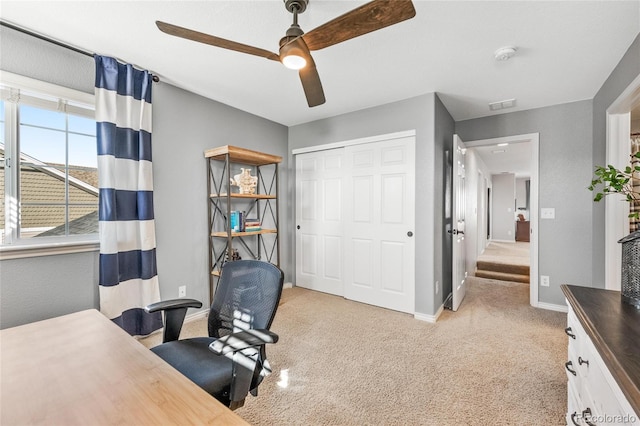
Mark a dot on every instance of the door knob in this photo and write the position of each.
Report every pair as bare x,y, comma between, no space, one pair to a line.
409,234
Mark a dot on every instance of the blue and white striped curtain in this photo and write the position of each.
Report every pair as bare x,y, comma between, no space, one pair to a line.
128,275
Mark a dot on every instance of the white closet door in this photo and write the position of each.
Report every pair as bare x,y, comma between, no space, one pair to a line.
319,233
379,224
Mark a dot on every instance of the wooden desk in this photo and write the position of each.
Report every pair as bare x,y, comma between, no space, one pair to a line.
82,369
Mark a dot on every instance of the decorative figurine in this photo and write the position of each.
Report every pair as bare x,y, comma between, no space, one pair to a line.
245,181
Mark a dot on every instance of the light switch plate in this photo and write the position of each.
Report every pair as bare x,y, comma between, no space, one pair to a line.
547,213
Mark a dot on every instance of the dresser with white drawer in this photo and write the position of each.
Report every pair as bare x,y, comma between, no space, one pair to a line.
603,358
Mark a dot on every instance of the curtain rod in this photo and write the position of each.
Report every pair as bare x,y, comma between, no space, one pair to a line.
56,42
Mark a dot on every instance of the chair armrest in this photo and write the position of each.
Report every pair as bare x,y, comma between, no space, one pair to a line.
173,304
174,312
242,340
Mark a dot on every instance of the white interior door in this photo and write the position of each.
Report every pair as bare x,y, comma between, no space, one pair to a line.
379,224
459,274
319,233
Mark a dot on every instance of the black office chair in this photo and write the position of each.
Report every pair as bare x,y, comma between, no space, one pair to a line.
231,362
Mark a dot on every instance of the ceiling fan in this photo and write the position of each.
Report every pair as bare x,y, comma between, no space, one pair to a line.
296,45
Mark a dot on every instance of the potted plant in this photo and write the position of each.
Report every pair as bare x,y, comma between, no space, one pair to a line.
615,181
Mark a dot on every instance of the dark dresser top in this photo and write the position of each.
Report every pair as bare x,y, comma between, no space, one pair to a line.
614,329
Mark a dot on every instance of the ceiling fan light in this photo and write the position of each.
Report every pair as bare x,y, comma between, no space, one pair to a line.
294,62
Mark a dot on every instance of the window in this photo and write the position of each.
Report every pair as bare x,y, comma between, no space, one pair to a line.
48,164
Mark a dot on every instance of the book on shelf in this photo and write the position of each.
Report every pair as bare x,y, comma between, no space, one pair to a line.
252,228
236,221
252,222
233,221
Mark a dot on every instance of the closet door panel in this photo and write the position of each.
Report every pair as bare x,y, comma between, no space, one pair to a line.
319,216
379,191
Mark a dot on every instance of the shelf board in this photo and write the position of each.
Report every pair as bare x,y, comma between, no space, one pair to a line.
247,196
244,234
215,273
242,155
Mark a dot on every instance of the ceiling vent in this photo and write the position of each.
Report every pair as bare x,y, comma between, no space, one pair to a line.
508,103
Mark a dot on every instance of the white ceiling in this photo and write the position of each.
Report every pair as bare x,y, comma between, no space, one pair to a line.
566,50
514,158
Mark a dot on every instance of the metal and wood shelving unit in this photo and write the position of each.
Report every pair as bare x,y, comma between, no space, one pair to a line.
263,205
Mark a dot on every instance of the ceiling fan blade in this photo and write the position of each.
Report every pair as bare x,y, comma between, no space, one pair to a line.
177,31
369,17
311,83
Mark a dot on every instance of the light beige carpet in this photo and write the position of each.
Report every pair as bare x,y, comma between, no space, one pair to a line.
516,253
496,361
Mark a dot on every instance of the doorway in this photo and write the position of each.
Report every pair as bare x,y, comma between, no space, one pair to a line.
481,229
619,128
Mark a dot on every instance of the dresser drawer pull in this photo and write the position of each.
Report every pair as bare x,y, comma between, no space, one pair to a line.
582,361
586,415
569,333
567,365
573,418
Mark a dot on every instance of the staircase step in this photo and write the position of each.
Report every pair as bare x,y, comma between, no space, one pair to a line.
482,265
502,276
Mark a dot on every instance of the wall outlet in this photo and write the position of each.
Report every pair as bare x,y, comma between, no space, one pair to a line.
544,280
182,291
548,213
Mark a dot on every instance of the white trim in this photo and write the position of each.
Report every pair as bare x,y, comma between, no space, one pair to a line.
502,241
534,218
85,100
552,307
616,213
47,249
534,139
342,144
203,313
616,224
505,139
429,318
287,285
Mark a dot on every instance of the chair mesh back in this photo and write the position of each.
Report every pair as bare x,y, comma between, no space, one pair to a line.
247,297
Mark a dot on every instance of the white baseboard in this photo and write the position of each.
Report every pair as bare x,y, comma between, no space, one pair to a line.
196,315
503,241
552,307
287,285
429,318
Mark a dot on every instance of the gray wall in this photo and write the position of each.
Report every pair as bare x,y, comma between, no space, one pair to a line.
566,165
184,125
37,288
434,132
502,211
35,58
622,76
